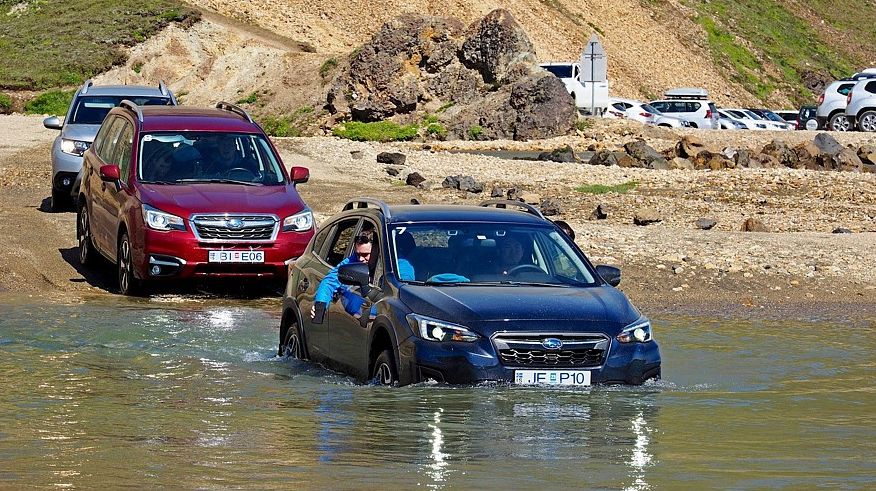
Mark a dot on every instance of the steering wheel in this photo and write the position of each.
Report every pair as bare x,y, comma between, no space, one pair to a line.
524,267
240,174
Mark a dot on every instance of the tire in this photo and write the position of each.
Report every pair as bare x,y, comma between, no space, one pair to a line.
87,254
291,343
838,122
60,201
385,372
867,121
128,283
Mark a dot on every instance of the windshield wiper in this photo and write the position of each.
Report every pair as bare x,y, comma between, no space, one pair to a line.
220,181
519,283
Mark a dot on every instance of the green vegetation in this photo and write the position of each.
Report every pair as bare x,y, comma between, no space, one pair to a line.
584,124
252,98
52,43
137,67
290,125
380,131
475,132
743,62
445,106
54,102
326,68
596,28
603,189
5,104
436,130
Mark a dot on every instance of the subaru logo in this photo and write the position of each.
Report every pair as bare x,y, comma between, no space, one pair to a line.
235,223
552,343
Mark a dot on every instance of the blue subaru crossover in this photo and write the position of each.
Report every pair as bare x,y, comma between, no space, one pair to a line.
461,295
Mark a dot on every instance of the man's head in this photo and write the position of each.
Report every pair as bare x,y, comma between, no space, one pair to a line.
510,251
227,147
363,244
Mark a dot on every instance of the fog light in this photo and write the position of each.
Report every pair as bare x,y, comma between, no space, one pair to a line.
66,181
156,270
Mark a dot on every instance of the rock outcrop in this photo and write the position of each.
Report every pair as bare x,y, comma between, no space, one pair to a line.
482,82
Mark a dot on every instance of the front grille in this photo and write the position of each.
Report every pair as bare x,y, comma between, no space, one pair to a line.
526,350
235,228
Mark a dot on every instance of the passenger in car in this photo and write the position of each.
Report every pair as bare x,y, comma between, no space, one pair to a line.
363,245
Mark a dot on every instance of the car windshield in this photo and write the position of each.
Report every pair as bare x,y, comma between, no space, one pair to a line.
752,115
192,157
460,253
561,71
651,109
772,116
93,109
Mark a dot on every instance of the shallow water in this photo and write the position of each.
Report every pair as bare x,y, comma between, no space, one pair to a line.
189,394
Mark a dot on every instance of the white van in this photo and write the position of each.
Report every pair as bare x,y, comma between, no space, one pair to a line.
590,97
691,104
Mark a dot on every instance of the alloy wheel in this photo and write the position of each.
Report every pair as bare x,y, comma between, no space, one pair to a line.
839,123
383,374
293,345
84,233
126,268
868,121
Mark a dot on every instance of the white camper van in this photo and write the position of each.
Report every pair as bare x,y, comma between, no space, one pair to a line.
590,97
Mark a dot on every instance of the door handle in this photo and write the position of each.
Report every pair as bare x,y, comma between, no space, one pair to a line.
303,285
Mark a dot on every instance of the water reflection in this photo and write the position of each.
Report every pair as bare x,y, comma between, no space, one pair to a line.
438,466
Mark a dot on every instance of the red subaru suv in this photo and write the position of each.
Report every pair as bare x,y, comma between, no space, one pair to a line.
176,192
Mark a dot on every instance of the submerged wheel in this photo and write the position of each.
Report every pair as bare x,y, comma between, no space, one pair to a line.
291,344
83,234
385,372
128,283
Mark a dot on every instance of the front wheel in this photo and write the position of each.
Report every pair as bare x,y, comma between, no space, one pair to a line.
128,283
83,233
60,200
385,372
838,122
291,344
867,121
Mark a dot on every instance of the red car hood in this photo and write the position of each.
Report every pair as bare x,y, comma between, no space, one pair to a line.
184,200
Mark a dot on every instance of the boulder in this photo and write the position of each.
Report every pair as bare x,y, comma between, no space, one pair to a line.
392,158
646,216
530,198
753,225
841,230
600,213
867,154
498,48
681,163
689,146
827,144
743,158
783,154
706,223
497,192
356,154
650,158
562,154
414,179
468,184
808,155
551,207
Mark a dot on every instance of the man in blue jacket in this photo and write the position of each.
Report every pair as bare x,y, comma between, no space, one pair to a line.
363,249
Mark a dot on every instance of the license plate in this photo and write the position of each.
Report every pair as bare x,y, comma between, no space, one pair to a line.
552,377
237,256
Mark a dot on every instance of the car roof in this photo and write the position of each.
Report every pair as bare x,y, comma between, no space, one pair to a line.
461,213
686,93
178,118
124,90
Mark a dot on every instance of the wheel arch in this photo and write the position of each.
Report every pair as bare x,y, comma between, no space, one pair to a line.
292,315
381,339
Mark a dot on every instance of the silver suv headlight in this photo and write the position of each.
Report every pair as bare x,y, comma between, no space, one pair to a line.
298,222
159,220
637,332
435,330
74,147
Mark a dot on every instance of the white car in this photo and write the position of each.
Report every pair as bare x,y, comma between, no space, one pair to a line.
728,122
744,117
643,113
690,104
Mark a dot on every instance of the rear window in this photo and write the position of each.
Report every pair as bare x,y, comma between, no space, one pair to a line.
871,87
844,89
93,109
562,71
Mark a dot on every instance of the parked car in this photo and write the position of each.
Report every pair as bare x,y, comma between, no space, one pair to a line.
588,97
750,121
806,118
790,117
690,104
831,108
170,193
87,110
496,295
774,121
643,113
861,105
729,122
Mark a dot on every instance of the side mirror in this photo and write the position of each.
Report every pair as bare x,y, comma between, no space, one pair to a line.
300,175
610,274
53,123
110,173
355,274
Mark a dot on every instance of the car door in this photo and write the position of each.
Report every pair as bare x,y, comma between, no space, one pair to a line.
116,194
102,220
337,247
348,334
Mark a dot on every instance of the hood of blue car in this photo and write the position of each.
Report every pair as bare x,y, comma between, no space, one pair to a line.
508,307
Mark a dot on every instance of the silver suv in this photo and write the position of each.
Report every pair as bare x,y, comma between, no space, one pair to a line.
861,105
89,107
831,110
690,104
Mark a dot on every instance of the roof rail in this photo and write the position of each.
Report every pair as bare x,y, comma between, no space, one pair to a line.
227,106
133,107
88,83
162,87
504,203
364,202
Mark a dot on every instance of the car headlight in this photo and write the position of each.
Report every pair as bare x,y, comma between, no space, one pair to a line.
435,330
298,222
74,147
159,220
637,332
